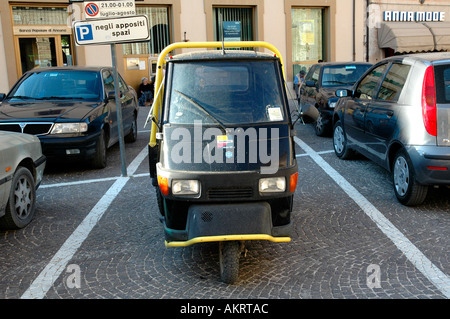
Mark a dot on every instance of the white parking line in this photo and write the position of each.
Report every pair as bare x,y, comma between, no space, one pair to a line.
414,255
45,280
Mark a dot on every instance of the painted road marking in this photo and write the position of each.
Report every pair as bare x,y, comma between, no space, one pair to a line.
414,255
45,280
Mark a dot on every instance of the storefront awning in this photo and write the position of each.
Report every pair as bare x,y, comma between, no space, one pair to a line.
414,37
405,37
441,34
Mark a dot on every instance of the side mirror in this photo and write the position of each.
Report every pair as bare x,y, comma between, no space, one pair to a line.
112,95
343,93
310,83
2,96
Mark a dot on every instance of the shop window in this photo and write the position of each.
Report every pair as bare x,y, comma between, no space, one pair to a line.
158,20
242,15
39,15
307,37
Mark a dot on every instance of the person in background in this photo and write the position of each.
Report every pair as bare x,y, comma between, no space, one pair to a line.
145,92
299,77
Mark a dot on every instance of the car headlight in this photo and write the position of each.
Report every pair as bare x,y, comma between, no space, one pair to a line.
63,128
185,187
272,185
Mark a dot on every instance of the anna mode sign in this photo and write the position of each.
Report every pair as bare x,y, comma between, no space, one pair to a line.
411,16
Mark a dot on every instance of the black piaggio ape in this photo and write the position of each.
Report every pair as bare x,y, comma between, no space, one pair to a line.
221,150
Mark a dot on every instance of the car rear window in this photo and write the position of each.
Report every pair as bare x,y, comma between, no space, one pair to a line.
393,83
442,80
339,75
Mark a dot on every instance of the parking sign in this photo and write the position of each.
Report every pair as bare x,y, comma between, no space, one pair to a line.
84,32
107,31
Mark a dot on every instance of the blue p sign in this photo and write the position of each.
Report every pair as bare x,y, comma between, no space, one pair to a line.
84,32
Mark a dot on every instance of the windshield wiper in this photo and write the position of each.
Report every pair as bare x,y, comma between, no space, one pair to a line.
55,98
22,97
197,104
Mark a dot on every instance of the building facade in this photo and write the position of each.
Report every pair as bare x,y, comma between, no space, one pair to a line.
38,33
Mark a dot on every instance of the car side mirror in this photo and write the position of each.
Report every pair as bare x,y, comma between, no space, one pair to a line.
310,83
343,93
2,96
112,95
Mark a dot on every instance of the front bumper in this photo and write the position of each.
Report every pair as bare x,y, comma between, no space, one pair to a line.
224,222
431,164
70,147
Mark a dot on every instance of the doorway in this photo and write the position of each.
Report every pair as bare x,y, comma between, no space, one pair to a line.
43,51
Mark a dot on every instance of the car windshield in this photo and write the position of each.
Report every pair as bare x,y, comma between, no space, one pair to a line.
226,92
58,85
339,75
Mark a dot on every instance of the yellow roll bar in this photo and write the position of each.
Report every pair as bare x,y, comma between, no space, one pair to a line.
179,45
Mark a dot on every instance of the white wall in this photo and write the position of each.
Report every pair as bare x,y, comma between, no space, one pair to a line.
4,86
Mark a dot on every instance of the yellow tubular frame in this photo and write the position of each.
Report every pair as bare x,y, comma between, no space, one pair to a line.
207,239
179,45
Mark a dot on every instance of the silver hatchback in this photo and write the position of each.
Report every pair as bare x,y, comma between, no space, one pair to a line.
397,115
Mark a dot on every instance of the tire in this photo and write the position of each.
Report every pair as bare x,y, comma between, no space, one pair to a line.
319,126
160,201
20,209
229,253
132,136
340,143
406,188
99,160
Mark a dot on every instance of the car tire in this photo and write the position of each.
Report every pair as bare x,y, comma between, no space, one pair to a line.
132,135
99,160
160,201
229,255
20,209
406,188
320,127
340,143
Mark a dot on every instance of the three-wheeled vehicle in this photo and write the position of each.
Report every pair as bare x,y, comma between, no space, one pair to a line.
221,150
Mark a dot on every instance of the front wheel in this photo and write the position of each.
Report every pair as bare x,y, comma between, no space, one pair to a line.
99,160
340,142
20,208
229,254
406,188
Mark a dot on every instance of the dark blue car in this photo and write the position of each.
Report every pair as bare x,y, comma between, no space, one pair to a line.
72,110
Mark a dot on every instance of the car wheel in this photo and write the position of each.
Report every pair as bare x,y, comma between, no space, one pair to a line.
340,144
99,160
132,136
20,208
319,126
406,188
229,253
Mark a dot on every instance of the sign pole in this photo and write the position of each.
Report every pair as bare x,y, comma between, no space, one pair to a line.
119,110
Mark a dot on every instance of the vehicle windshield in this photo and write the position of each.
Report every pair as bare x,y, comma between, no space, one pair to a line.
58,85
339,75
226,92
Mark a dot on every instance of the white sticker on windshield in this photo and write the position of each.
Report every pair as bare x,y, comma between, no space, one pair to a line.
275,114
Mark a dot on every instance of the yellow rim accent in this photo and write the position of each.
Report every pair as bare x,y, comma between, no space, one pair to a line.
215,44
207,239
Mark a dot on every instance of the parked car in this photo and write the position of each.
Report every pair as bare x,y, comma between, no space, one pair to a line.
22,165
319,87
398,115
72,110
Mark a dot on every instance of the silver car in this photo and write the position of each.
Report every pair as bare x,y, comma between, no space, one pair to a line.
21,168
397,115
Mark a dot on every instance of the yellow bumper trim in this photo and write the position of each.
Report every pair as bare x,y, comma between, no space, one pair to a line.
207,239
